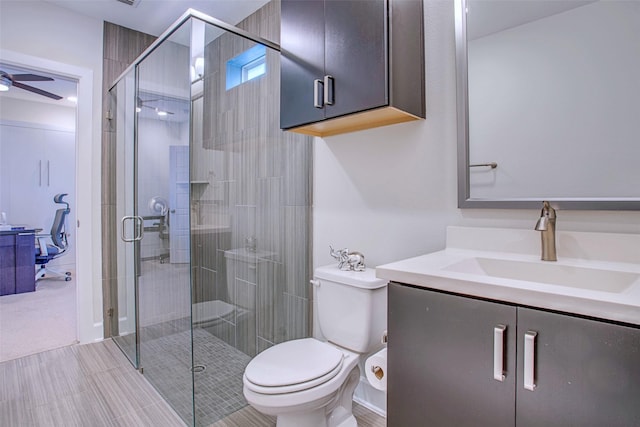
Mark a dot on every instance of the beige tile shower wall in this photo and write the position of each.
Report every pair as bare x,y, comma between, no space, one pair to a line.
259,177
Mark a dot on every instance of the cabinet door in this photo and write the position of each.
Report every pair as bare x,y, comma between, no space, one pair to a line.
25,263
7,265
587,373
302,61
441,360
356,55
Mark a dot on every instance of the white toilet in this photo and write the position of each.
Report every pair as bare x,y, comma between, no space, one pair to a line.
308,382
208,314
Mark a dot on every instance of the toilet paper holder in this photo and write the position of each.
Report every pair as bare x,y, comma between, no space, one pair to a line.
377,371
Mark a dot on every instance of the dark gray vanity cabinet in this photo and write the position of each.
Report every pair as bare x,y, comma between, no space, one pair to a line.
440,360
446,351
344,57
587,372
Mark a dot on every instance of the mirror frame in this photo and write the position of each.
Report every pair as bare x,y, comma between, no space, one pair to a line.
464,188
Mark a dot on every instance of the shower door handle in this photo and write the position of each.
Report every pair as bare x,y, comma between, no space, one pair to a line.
139,228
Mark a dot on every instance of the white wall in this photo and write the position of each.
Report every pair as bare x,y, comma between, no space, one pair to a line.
536,93
47,114
156,136
37,161
42,36
391,192
19,110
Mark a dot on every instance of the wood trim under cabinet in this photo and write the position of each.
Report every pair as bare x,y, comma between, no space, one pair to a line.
354,122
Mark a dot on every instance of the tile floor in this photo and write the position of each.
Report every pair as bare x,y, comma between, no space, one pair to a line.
94,385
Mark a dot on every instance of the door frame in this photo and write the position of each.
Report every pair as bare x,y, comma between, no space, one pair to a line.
87,329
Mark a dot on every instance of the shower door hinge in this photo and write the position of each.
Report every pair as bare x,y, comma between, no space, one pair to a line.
110,312
108,115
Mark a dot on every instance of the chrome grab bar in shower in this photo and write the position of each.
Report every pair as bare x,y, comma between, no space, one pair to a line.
492,165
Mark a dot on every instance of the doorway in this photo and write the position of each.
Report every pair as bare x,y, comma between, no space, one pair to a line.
38,161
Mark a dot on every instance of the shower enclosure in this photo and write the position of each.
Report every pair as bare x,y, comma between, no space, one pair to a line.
214,209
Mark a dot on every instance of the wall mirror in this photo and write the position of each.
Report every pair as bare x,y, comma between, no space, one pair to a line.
548,103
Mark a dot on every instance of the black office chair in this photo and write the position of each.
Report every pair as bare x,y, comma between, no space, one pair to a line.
52,246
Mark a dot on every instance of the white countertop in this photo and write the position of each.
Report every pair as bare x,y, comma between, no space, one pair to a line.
603,252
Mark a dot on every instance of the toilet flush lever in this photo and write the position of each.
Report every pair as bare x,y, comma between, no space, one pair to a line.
315,283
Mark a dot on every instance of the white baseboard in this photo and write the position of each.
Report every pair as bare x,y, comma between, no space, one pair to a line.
371,398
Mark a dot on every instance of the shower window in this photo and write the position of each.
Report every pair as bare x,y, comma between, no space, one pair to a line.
246,66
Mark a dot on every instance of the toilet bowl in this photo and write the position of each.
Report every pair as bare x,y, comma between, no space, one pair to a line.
310,382
239,262
210,313
301,381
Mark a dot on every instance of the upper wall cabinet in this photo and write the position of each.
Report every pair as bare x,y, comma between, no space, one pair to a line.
350,65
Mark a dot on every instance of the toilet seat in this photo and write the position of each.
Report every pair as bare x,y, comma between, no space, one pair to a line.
293,366
207,311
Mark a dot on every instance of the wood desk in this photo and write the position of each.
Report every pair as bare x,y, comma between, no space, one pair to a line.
17,261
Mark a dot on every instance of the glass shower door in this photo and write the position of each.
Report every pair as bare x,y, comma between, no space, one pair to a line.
162,201
124,329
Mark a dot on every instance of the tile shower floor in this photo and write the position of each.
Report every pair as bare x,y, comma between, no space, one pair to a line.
217,378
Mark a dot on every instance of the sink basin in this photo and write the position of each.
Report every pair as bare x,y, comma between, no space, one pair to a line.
547,272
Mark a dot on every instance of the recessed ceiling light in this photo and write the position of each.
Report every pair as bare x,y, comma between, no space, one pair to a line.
5,83
72,98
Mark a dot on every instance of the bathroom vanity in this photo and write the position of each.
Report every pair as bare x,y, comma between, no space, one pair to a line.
485,333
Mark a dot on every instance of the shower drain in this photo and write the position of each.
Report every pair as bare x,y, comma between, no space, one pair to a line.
198,368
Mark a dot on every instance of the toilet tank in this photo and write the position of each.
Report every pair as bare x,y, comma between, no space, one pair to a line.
351,307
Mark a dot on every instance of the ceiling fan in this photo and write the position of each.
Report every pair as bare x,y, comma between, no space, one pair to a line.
7,80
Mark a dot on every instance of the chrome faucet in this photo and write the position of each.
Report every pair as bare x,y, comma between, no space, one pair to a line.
547,226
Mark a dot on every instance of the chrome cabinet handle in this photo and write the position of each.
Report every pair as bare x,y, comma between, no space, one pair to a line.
318,101
530,360
328,90
498,352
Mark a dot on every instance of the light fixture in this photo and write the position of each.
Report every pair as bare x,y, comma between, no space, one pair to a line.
73,99
197,69
199,66
5,83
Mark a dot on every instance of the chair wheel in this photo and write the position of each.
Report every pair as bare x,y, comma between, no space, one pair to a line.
67,279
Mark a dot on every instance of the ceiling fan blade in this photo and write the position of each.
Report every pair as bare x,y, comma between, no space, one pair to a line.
30,78
36,90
